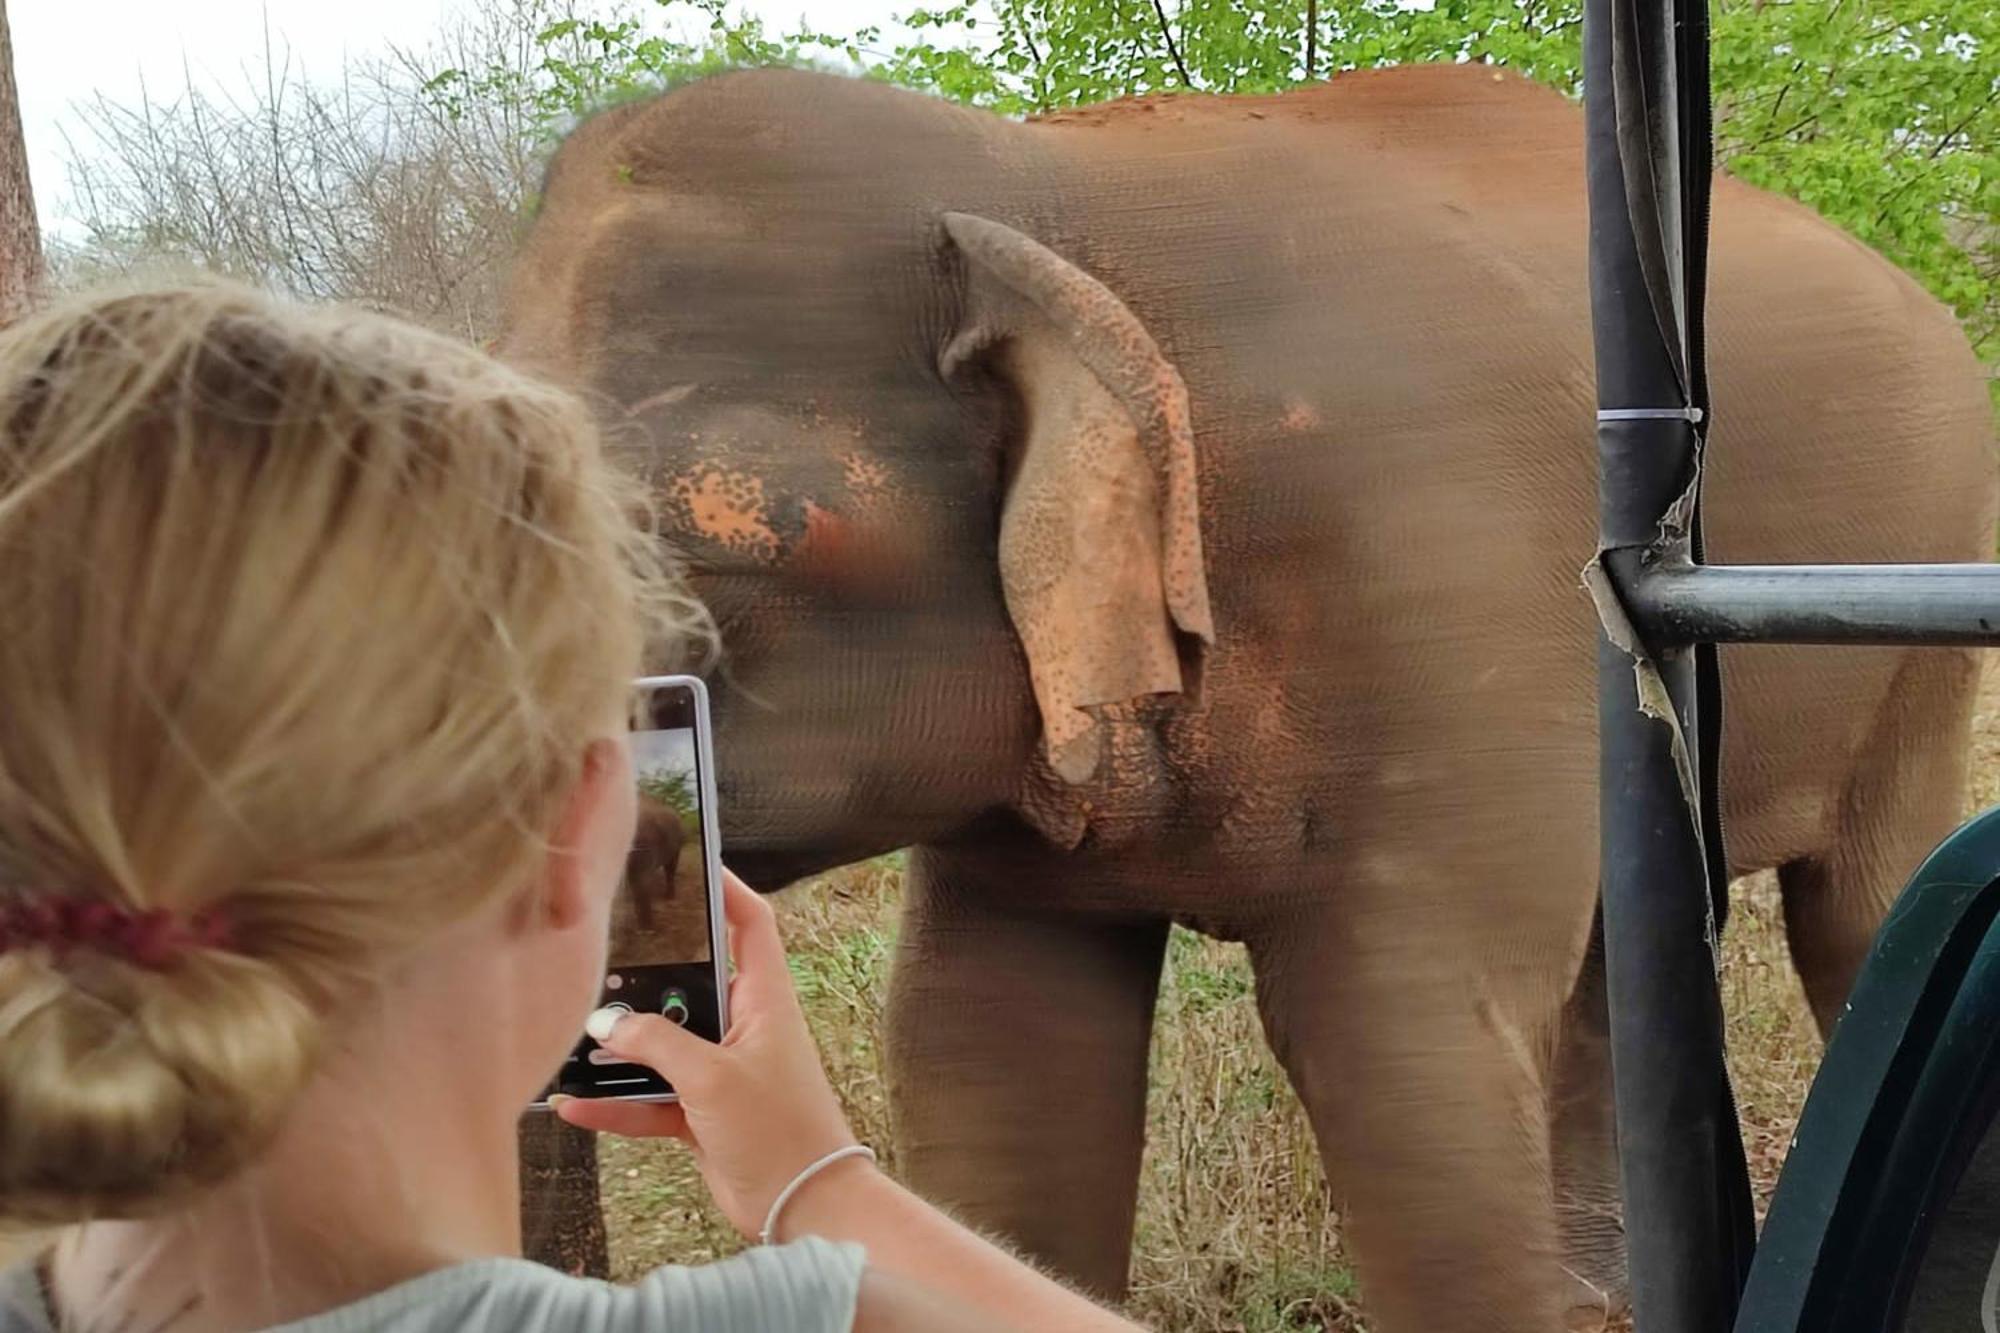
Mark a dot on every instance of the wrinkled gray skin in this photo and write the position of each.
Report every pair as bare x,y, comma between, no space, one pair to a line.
1296,656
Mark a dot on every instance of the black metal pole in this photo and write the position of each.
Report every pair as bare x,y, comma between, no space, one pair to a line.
1686,1191
1853,604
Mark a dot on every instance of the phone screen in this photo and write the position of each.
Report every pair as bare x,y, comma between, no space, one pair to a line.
665,949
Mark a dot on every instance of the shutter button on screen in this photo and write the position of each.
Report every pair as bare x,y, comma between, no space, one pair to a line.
675,1007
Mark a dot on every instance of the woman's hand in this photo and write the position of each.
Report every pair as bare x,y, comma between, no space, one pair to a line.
757,1108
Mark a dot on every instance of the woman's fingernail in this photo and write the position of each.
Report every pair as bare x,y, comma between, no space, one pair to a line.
601,1021
557,1099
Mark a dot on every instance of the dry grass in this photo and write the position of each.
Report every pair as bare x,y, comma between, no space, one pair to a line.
1235,1231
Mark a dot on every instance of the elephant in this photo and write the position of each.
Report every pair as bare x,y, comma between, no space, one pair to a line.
653,864
656,851
1172,511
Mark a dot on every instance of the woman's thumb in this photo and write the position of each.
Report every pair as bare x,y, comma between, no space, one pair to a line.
676,1054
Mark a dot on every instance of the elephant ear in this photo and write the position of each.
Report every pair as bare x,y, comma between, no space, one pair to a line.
1100,536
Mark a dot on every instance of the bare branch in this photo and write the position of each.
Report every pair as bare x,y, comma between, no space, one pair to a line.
364,189
1173,47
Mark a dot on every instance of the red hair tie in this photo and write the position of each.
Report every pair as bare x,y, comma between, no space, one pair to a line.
155,938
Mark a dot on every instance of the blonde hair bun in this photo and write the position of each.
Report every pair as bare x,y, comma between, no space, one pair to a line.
125,1088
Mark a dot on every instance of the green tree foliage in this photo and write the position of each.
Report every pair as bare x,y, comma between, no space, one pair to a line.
579,64
674,789
1884,115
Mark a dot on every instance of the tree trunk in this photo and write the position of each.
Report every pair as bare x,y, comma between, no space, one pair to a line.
562,1224
20,236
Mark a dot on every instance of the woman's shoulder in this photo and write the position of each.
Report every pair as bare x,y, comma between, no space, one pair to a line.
807,1286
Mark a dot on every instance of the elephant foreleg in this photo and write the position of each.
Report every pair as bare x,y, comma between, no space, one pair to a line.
1017,1047
638,888
1415,1051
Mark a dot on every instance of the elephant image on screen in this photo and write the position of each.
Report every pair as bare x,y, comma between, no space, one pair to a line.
661,952
661,915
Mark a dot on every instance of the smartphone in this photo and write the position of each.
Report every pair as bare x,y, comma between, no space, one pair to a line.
666,953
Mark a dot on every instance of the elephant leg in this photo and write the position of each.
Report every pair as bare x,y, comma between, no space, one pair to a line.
1417,1050
1583,1135
642,902
1017,1048
562,1223
1906,792
637,886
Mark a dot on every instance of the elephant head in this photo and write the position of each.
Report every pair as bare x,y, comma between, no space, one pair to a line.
935,481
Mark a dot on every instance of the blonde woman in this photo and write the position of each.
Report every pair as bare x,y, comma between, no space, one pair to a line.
313,793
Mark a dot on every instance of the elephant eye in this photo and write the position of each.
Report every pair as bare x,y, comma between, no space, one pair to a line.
853,563
826,550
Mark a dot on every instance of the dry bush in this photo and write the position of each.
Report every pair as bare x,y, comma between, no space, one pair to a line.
374,189
403,185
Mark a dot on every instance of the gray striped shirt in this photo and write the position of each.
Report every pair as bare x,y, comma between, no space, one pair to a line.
807,1286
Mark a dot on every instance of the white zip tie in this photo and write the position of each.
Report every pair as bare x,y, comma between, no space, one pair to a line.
785,1194
1650,414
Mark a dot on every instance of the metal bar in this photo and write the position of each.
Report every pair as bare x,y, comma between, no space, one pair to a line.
1828,604
1689,1228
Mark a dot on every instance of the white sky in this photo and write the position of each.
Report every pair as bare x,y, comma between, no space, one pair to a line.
70,51
663,752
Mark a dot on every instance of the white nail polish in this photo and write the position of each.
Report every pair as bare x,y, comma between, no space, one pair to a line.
601,1021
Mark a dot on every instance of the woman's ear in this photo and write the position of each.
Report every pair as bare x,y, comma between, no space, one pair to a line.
591,839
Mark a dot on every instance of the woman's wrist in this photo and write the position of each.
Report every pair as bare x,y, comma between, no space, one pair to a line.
807,1174
854,1201
828,1204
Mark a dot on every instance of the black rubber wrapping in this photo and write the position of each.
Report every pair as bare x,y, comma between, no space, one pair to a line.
1689,1223
1644,469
